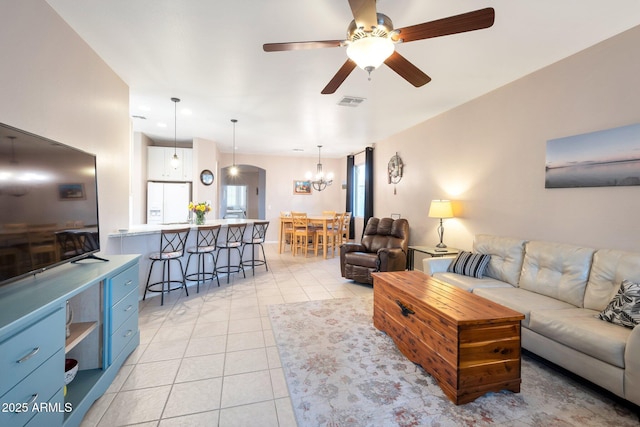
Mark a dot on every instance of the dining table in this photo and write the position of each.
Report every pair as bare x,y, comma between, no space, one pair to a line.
317,220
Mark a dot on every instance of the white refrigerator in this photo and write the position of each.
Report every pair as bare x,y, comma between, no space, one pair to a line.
168,202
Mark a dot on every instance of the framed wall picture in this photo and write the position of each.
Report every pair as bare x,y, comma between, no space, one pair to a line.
71,192
301,187
606,158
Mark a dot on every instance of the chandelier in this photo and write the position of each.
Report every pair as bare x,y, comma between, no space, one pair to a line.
320,182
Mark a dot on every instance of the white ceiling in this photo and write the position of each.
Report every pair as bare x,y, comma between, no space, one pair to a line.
209,54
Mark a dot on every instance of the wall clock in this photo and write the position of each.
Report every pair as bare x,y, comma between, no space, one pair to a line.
394,169
206,177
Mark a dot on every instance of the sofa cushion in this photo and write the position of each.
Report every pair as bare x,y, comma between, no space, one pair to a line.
556,270
470,283
624,308
579,329
610,267
469,264
521,300
506,253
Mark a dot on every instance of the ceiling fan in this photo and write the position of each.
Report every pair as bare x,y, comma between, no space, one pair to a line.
371,41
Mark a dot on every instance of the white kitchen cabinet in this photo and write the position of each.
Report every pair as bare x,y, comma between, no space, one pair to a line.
159,167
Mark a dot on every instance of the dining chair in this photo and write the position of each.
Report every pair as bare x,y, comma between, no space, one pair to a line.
334,232
346,221
302,233
206,241
172,245
286,230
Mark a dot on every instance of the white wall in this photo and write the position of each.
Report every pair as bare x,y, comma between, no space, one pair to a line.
55,86
489,156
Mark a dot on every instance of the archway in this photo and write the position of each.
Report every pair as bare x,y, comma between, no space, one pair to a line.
243,195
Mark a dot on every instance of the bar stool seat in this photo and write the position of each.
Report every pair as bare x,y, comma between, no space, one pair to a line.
257,238
205,245
233,240
172,244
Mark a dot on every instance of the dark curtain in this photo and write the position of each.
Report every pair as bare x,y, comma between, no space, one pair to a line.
368,185
349,205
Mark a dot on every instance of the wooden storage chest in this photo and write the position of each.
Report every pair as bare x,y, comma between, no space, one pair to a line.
469,344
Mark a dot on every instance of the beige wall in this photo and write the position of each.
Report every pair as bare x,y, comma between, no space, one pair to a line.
55,86
489,156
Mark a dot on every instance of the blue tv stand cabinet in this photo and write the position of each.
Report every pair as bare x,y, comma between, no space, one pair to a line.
103,297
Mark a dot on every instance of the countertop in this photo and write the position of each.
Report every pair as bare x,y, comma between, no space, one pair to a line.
142,229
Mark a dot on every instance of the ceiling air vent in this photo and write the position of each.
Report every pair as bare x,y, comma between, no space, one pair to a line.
350,101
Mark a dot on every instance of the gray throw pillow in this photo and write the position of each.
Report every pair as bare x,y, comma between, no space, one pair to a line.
624,307
470,264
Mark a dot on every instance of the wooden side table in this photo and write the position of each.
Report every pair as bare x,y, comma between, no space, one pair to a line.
429,250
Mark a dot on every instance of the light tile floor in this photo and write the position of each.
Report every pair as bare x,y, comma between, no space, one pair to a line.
210,359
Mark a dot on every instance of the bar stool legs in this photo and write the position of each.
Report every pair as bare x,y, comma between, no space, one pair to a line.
205,245
235,233
257,238
172,244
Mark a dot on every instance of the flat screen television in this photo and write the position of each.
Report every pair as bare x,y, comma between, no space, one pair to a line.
48,204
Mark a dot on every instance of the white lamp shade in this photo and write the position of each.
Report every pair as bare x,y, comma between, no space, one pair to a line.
440,209
370,51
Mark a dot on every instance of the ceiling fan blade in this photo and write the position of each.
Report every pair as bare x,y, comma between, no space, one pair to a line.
340,77
407,70
278,47
469,21
364,13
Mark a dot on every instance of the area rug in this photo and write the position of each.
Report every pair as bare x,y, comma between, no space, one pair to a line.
341,371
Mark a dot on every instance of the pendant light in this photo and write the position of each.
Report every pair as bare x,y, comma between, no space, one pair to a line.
234,169
175,161
320,183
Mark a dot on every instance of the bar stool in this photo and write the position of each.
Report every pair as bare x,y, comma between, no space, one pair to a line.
233,240
172,243
205,245
257,238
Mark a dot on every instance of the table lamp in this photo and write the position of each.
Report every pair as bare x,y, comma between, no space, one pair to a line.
440,209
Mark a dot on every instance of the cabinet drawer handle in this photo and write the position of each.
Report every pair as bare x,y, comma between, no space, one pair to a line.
128,282
128,334
30,355
406,311
128,308
34,397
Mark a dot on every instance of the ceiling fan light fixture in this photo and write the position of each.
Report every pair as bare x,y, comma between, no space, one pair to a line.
370,52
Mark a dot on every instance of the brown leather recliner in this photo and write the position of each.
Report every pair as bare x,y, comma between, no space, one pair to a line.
383,248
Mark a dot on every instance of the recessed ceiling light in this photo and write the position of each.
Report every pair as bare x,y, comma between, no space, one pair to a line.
162,125
144,108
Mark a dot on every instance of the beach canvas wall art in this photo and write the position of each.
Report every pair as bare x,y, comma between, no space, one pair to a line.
605,158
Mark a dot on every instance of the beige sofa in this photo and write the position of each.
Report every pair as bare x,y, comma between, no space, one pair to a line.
560,289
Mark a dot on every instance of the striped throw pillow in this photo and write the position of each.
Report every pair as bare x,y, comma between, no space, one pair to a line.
470,264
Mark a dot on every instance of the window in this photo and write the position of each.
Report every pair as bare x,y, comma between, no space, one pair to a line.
358,194
236,201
